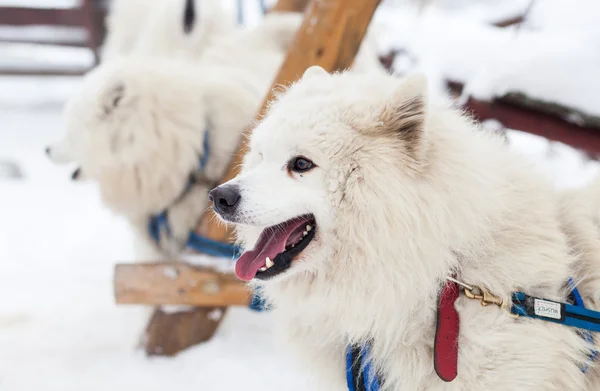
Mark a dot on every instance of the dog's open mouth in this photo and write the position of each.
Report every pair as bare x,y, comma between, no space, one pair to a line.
276,248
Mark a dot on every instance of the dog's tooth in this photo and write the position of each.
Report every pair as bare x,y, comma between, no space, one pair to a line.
293,245
305,233
263,269
308,227
269,262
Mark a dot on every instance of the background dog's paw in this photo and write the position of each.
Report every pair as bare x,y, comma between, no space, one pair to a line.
170,230
171,244
185,215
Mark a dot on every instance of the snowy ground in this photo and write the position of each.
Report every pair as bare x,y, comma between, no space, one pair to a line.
59,328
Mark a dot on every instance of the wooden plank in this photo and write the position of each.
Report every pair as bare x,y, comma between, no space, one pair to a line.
289,6
93,26
538,123
169,333
577,116
24,16
43,71
177,283
332,43
515,111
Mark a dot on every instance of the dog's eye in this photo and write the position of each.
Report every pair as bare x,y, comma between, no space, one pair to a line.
300,164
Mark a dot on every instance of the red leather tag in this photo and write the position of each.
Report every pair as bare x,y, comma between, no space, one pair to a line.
445,351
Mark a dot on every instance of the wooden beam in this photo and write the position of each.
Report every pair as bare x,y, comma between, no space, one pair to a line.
538,123
549,120
24,16
93,19
177,283
168,333
332,43
289,6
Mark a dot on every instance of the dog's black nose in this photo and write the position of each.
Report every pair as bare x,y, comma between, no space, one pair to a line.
225,199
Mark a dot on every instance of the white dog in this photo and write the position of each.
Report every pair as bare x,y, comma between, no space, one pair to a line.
173,28
141,127
357,199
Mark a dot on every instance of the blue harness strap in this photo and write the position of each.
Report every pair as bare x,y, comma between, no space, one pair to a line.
360,374
552,311
159,223
573,315
212,247
206,148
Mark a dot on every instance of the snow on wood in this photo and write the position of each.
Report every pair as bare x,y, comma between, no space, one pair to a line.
545,62
546,119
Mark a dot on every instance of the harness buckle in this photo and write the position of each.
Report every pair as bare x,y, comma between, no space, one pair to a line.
483,295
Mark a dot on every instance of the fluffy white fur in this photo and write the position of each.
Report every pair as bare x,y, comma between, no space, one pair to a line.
407,191
156,28
137,124
580,220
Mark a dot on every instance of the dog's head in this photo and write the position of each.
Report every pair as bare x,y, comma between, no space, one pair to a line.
315,182
136,127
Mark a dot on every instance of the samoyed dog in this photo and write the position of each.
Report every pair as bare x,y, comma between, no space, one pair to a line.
360,195
183,28
157,134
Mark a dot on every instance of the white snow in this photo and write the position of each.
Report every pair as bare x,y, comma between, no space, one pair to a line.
44,33
59,327
553,56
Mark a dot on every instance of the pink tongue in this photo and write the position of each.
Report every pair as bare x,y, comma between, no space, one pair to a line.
271,242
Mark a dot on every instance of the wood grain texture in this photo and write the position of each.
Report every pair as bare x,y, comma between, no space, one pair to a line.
289,6
169,333
177,283
330,37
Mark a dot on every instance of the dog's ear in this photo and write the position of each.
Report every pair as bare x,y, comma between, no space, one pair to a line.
314,71
113,96
405,113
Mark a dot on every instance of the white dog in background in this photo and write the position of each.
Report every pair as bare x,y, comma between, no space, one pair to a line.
359,196
168,28
139,125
